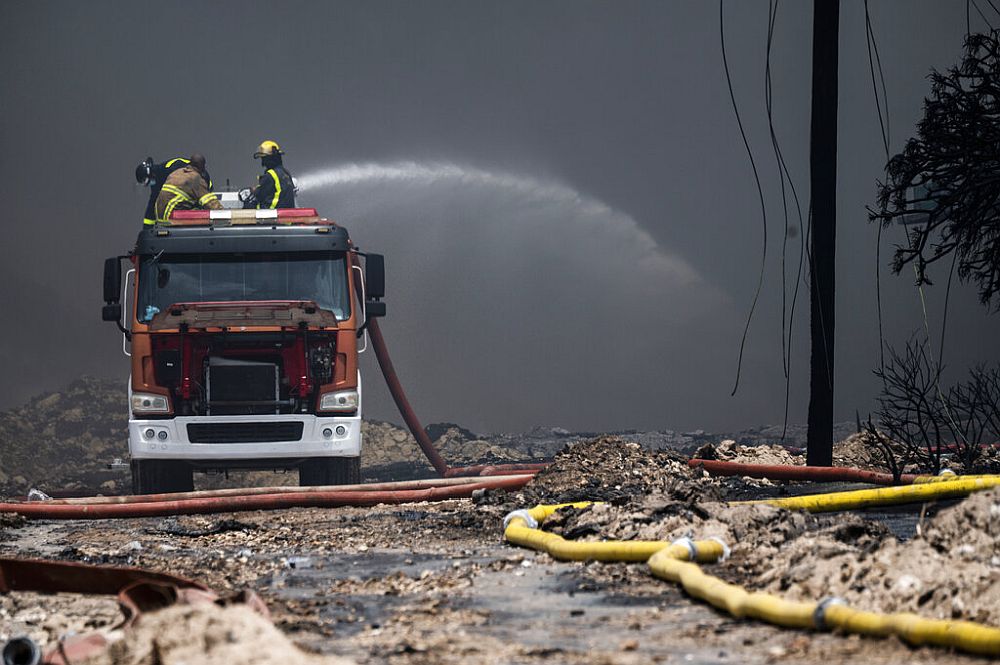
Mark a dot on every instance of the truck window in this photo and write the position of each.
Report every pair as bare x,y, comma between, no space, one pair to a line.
318,276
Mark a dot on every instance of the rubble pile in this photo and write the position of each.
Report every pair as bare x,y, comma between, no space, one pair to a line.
44,617
386,444
729,451
611,469
65,440
950,570
858,451
209,634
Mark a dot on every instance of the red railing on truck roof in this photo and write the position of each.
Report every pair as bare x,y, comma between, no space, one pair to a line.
236,217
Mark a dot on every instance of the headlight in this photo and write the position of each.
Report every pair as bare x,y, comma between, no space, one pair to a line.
147,403
345,400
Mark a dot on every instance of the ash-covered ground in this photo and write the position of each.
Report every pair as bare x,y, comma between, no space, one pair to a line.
434,583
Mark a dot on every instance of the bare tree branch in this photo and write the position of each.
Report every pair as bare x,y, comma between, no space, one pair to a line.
946,181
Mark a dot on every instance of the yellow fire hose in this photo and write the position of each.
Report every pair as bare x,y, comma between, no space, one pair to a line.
947,476
674,562
952,488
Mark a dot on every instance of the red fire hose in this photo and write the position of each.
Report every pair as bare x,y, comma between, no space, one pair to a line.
828,474
283,489
236,503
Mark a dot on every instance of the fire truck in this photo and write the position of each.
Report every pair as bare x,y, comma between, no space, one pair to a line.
243,329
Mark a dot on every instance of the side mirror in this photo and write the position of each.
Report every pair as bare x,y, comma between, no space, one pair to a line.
374,276
112,280
112,312
375,310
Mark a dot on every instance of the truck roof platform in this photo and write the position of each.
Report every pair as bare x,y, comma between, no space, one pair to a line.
235,231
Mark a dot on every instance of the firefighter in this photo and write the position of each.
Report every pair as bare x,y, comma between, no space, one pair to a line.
186,188
154,175
275,188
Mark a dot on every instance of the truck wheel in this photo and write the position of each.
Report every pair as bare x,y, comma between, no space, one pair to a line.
330,471
161,476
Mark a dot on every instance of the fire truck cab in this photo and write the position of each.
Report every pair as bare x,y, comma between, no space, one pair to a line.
243,329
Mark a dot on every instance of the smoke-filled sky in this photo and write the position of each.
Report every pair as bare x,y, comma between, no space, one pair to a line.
569,219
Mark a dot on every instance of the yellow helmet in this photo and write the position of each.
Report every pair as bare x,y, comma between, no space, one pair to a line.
267,148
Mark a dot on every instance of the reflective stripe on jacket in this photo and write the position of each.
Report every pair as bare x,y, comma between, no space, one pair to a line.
159,175
185,189
275,189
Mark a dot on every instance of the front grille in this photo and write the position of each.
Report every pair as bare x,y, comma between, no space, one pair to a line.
243,432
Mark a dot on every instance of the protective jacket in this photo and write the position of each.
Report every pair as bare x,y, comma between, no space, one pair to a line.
159,175
185,189
275,189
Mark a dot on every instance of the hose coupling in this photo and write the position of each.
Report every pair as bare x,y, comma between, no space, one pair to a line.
725,549
689,544
819,614
529,521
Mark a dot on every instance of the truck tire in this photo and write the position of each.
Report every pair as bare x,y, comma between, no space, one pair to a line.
330,471
161,476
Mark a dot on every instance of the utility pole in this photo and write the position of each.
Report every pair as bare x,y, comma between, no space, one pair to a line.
822,245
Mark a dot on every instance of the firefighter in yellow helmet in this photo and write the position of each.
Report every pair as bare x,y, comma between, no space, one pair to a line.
275,188
187,188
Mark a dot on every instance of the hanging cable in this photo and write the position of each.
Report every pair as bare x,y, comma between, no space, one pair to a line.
870,38
760,194
772,14
944,318
979,11
883,121
787,313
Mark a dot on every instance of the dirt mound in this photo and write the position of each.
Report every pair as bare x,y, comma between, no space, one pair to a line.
970,530
950,571
855,451
730,451
44,617
860,451
386,444
208,634
64,440
610,469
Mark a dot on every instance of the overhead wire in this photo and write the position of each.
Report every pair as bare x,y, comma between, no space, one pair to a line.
760,194
883,126
784,176
772,14
944,317
979,11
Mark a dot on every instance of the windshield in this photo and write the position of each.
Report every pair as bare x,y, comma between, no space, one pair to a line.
318,276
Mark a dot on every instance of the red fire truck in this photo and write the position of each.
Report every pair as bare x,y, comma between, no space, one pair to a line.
243,328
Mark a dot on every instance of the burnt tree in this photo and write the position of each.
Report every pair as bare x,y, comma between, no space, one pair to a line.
945,184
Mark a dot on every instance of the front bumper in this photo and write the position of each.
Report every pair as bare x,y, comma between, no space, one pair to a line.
175,444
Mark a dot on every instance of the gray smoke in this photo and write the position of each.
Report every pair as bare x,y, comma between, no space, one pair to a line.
515,301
